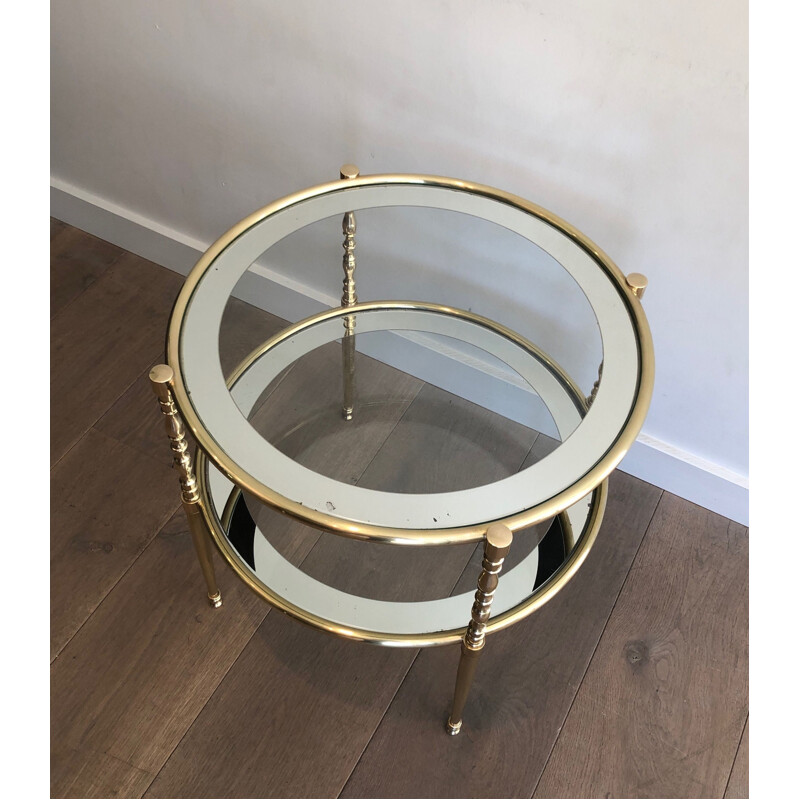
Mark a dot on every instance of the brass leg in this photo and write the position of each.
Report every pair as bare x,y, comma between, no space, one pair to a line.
349,298
496,547
160,378
348,371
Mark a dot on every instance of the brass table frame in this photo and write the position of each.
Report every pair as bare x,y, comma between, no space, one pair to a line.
206,527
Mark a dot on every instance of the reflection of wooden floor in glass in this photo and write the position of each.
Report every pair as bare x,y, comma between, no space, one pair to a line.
631,682
382,574
406,437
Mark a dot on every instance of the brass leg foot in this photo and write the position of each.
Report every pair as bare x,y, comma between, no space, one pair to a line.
466,672
348,369
215,600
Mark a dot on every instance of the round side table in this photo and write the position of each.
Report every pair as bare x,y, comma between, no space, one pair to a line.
238,467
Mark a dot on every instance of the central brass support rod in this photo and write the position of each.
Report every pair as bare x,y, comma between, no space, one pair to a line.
161,377
495,550
349,298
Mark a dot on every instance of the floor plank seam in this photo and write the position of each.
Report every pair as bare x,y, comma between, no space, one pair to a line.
597,644
530,450
736,754
208,700
116,583
399,420
103,414
145,371
159,528
380,722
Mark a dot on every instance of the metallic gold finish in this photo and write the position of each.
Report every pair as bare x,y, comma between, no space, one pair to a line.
495,550
540,513
161,377
349,298
202,546
591,397
536,600
348,372
348,171
568,532
637,282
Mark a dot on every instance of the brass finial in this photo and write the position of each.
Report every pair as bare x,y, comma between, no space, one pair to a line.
348,172
637,282
161,373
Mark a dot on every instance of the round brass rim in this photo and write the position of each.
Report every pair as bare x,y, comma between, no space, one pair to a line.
536,600
415,305
554,505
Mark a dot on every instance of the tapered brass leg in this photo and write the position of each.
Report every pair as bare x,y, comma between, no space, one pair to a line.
349,298
161,378
495,549
348,372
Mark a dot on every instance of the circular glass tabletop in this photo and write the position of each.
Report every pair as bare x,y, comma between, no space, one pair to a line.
590,443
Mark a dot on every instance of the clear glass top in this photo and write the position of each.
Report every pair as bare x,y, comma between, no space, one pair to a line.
405,368
294,392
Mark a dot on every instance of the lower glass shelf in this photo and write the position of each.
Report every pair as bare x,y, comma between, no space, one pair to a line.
522,589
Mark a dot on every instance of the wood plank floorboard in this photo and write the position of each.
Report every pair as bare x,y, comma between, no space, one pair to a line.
107,502
77,260
131,682
738,783
525,683
102,341
662,707
85,773
290,720
56,227
154,693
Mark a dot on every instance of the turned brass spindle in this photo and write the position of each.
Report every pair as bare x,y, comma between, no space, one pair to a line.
495,550
161,378
349,298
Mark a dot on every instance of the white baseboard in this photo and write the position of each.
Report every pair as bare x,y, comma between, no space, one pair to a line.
709,485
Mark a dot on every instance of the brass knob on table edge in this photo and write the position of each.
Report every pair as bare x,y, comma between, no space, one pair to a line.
637,283
349,171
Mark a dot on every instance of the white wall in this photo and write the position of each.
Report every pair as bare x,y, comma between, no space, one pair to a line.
628,119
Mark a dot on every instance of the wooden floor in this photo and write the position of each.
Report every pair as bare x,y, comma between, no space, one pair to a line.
632,682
